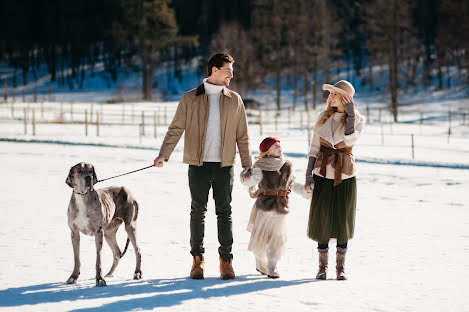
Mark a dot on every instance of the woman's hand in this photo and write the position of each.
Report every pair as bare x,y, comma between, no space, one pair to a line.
347,99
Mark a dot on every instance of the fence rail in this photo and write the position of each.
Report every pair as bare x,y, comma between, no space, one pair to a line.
144,116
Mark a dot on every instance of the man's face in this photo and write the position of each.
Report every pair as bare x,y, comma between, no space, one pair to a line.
222,76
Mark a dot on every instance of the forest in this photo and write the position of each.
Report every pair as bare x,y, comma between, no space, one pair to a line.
302,42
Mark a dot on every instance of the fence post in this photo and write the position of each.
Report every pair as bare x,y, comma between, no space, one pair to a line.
62,111
301,120
42,109
260,122
5,91
449,124
25,119
276,120
71,111
143,123
379,115
368,112
140,133
34,122
86,122
155,124
382,134
413,154
12,110
97,123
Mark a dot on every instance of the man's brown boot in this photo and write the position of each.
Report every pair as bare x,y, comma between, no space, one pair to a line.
323,262
197,271
226,269
340,261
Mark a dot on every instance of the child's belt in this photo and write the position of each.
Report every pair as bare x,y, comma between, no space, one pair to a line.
276,193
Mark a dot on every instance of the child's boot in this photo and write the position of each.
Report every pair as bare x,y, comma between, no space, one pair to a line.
261,265
272,271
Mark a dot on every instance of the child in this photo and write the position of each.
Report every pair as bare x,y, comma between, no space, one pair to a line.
272,174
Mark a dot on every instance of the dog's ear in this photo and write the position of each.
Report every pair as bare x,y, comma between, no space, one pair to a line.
95,178
69,179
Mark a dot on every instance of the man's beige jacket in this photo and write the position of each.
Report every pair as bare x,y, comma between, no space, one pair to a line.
192,118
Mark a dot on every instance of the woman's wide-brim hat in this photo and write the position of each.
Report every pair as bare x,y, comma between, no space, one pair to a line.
343,87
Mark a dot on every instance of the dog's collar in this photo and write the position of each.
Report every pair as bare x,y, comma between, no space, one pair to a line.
81,193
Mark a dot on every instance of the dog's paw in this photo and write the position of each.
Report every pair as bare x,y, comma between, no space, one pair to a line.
100,282
138,275
72,280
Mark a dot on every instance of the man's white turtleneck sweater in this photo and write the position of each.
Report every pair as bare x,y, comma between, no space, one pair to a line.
213,138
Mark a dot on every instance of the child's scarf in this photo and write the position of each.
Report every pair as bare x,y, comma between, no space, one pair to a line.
270,163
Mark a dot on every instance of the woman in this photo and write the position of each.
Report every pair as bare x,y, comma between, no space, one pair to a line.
331,175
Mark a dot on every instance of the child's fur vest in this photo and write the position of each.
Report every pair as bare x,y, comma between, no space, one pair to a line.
281,180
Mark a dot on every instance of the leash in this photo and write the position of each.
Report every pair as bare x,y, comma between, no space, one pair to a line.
120,175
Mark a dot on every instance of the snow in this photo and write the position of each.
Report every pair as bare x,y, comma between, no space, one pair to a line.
409,252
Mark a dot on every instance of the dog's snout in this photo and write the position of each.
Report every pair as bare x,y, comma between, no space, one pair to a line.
88,180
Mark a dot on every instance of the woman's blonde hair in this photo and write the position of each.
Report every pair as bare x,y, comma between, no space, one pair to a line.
330,110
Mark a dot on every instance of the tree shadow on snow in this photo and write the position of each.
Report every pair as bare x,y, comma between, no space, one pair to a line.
158,292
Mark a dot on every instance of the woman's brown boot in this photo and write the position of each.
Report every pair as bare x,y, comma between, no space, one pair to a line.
323,260
340,263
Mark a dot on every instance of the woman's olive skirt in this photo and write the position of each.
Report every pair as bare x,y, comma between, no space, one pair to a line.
332,212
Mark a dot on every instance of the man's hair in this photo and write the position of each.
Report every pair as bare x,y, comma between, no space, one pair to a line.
218,60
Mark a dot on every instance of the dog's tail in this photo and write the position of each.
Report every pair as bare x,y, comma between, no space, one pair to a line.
126,246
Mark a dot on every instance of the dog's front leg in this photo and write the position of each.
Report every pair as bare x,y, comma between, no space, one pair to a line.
76,253
99,246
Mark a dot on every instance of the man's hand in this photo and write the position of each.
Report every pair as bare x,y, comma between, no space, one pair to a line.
247,175
159,161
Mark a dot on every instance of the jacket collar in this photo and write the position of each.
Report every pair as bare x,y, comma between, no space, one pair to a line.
325,132
201,90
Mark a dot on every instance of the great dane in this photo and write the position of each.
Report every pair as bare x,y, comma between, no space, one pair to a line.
99,213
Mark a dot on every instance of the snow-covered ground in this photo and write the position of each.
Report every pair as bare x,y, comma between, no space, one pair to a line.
409,252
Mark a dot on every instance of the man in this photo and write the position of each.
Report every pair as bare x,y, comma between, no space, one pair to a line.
214,120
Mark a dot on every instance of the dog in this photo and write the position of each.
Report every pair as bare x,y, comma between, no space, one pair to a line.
99,213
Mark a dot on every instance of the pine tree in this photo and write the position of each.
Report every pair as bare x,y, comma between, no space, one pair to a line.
150,25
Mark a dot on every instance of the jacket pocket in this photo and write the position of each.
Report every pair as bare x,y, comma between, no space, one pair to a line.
229,104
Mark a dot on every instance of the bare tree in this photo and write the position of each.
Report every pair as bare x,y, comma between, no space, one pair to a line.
390,27
319,46
270,26
452,42
234,39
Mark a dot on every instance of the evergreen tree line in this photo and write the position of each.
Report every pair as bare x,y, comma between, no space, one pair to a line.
302,42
